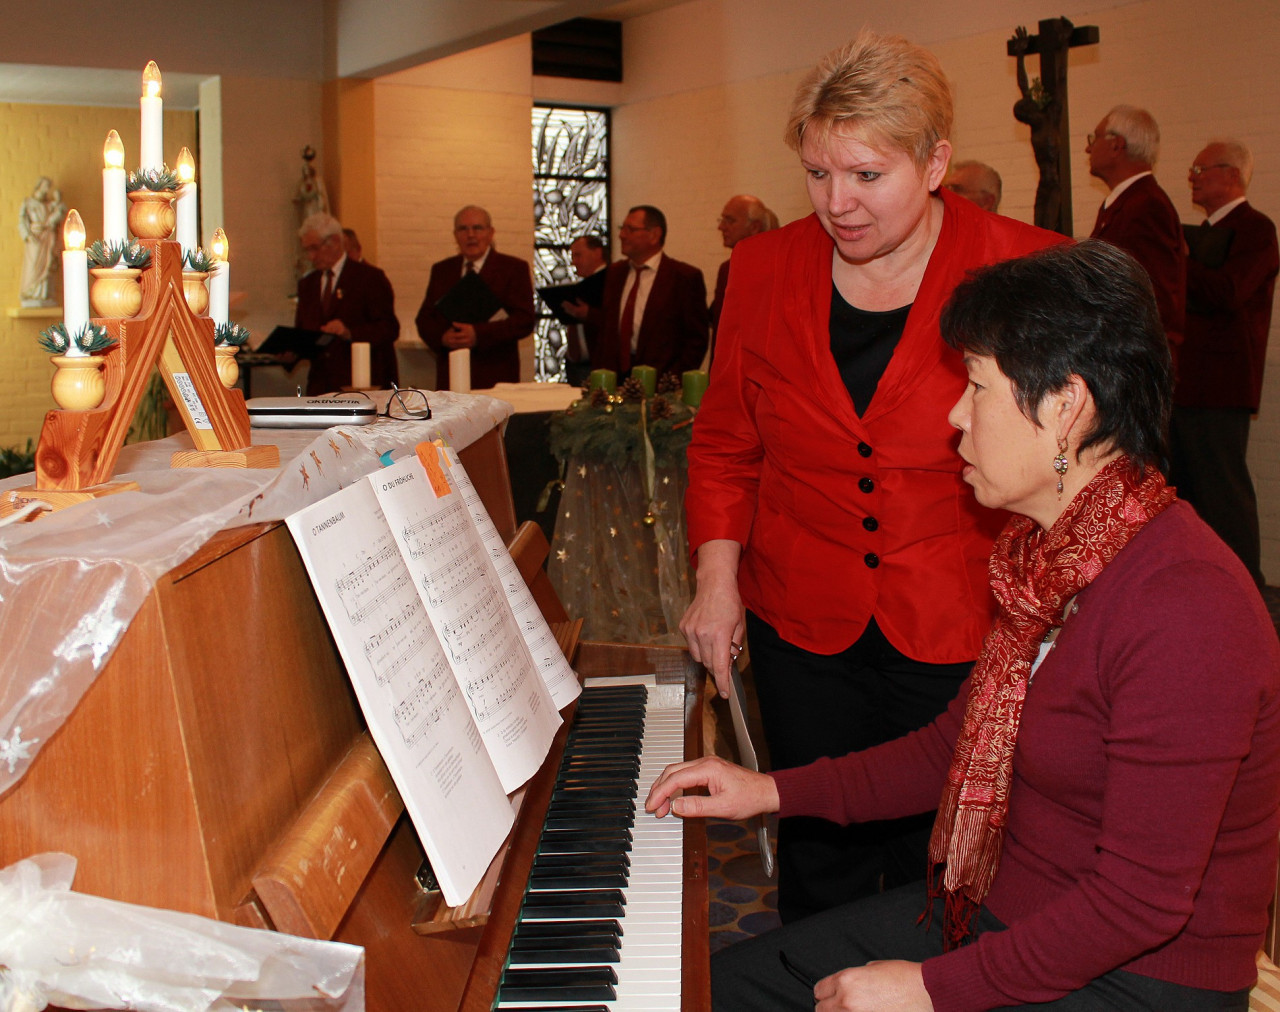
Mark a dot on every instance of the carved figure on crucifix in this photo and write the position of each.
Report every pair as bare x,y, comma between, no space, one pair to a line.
1041,110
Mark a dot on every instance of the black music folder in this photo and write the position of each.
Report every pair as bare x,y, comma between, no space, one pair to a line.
1208,246
589,290
298,341
471,300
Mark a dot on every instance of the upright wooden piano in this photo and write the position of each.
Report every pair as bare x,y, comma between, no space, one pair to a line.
219,765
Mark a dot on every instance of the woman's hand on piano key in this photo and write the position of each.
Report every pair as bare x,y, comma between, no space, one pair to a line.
732,792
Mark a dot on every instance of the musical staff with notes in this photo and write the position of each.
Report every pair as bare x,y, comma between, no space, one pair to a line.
404,678
469,609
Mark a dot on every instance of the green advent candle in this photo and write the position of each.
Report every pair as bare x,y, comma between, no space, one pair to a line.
606,378
695,385
648,377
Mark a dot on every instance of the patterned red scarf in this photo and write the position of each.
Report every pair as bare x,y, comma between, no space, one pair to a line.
1034,574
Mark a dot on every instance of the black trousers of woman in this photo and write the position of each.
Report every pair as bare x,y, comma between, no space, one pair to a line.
751,977
812,706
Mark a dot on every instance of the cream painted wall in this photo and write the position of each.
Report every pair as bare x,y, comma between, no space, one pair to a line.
449,134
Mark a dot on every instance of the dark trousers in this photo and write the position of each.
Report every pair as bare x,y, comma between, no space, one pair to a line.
812,706
750,975
1209,447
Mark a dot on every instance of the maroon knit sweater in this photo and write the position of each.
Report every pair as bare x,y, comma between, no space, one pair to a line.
1143,815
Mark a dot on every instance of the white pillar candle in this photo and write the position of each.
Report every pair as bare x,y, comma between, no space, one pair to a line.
220,279
460,370
115,208
152,105
75,279
187,202
360,371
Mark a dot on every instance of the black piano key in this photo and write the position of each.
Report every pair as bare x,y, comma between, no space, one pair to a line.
561,952
588,822
580,880
592,805
574,903
580,791
554,929
556,1008
581,860
568,843
585,983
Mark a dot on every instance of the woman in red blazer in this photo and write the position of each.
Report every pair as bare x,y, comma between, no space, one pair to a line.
824,485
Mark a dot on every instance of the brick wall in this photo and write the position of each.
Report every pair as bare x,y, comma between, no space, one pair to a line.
64,143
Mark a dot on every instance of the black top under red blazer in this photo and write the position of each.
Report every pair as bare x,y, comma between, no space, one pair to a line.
1144,223
364,302
1223,355
496,355
673,330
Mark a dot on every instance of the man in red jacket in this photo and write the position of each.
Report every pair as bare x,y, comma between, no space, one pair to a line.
1231,279
1138,215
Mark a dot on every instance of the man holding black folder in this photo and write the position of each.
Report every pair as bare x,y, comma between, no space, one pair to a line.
1232,264
480,299
349,300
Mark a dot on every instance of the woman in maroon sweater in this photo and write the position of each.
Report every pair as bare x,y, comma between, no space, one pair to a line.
1110,774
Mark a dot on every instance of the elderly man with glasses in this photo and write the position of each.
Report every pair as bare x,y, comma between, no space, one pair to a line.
655,306
350,300
1231,279
1138,215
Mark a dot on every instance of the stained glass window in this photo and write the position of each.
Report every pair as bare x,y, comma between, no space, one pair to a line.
570,199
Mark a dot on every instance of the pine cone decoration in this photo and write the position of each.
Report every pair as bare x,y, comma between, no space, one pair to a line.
599,397
660,408
668,383
632,390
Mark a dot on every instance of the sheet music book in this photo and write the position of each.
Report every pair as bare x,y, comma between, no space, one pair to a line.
589,290
298,340
441,665
471,300
1208,246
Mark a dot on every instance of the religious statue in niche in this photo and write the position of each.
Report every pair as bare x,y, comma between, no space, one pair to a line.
38,223
1043,107
310,198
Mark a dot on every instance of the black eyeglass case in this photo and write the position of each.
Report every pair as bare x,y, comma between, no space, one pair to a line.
308,412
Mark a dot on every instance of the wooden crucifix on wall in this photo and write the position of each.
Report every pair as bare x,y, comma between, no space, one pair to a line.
1043,107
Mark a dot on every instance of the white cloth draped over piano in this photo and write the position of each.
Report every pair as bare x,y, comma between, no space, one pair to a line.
71,582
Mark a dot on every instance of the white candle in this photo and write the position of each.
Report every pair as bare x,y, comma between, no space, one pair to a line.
460,370
360,373
220,280
75,279
152,105
187,202
115,208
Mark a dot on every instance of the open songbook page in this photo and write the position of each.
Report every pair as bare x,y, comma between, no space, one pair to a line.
455,701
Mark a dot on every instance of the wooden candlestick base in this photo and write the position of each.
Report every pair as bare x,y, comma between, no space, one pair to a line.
15,499
247,456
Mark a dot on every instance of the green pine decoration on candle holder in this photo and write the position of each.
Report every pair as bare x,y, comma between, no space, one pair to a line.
157,180
90,341
230,335
108,254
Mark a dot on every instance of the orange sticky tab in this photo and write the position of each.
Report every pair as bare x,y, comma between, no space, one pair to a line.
434,462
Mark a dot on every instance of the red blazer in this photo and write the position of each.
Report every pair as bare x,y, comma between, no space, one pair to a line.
364,302
846,517
496,355
1224,353
673,330
1144,223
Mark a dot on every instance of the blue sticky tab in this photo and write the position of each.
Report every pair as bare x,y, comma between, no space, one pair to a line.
385,458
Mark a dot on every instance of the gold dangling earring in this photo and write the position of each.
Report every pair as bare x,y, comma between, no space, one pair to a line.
1060,464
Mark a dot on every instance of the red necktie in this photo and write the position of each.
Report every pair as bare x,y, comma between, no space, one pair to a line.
326,295
627,324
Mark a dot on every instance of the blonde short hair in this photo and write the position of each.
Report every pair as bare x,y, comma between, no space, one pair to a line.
888,87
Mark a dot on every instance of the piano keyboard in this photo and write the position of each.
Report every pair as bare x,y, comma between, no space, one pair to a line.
600,928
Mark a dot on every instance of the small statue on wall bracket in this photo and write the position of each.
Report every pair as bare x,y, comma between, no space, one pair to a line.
310,198
38,222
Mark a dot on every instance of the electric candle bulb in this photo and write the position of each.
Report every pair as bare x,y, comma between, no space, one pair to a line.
75,279
152,106
220,281
115,207
186,208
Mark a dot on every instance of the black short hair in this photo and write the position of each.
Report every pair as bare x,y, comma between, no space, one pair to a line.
1085,309
594,241
653,218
